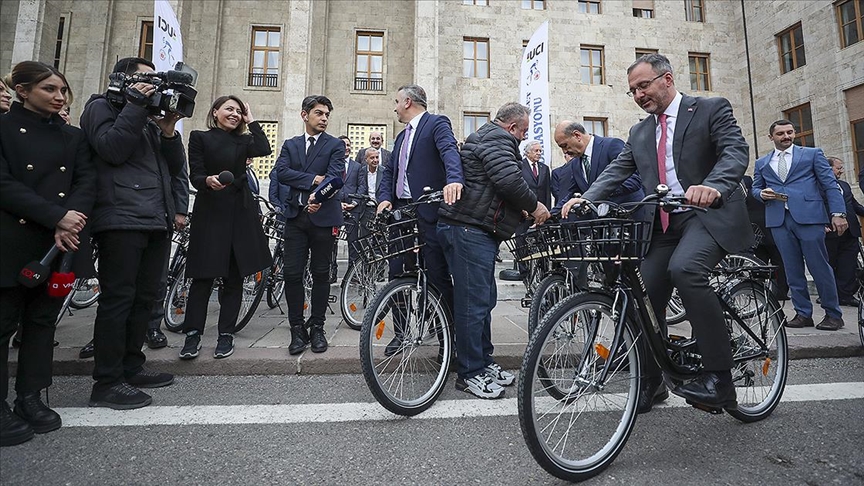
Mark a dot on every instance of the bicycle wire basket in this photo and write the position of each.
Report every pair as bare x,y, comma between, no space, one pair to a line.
273,228
389,238
594,240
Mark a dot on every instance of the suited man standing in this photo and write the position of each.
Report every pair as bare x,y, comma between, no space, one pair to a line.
376,141
310,226
355,183
426,157
695,146
796,183
372,171
537,176
843,248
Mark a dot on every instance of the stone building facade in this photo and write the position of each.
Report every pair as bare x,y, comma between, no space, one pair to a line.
734,47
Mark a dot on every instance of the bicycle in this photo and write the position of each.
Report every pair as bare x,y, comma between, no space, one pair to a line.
581,373
362,280
859,273
85,292
406,340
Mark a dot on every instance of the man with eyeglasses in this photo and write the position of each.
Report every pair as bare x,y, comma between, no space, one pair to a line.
694,146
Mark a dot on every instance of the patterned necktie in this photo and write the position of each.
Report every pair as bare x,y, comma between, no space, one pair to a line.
534,169
586,166
403,162
311,146
782,167
661,167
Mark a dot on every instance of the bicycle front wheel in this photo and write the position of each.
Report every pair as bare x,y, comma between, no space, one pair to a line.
276,283
253,291
86,293
405,346
359,286
175,301
551,290
575,421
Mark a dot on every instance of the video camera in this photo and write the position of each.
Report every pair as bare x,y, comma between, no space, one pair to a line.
174,89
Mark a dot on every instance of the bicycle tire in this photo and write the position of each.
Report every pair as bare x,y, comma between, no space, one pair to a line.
540,416
85,294
552,289
421,364
758,393
253,292
861,318
276,282
175,300
358,289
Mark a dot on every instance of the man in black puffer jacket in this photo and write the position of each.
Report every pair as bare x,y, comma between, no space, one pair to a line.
494,199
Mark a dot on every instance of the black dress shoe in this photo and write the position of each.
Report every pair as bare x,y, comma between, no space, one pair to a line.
42,419
155,339
710,389
394,346
510,274
87,351
299,340
13,429
317,340
653,391
800,321
830,323
850,302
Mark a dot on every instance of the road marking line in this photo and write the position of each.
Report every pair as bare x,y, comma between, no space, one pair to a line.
365,412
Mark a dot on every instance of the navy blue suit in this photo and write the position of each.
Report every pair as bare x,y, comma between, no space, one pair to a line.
798,226
297,171
540,185
843,249
355,182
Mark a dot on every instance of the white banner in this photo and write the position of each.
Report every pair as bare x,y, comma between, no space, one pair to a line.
167,42
534,88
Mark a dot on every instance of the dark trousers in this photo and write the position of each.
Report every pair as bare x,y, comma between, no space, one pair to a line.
37,313
842,256
305,242
158,312
229,301
683,258
130,264
770,254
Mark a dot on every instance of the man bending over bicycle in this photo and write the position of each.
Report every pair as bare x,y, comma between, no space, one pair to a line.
695,146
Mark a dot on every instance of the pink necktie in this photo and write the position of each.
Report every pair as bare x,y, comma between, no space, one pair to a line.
661,167
403,162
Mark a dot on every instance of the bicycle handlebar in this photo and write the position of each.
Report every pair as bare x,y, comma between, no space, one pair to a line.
667,202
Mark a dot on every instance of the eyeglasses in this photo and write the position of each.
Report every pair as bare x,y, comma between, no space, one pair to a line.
644,85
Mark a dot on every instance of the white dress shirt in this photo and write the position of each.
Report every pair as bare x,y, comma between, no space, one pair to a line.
406,190
589,149
371,179
671,117
775,160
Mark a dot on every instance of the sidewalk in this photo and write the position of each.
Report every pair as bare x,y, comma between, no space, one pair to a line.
262,346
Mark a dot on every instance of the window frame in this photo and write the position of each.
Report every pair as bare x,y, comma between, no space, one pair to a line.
690,6
60,45
369,84
857,145
474,3
642,10
473,115
798,123
707,72
790,33
858,20
591,66
533,4
644,51
587,4
142,39
266,49
592,120
488,59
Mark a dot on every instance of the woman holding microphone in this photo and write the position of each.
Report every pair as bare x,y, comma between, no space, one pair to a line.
226,238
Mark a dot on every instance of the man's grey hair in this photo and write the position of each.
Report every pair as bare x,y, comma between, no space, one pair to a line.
415,93
575,127
834,160
511,113
528,145
370,150
659,63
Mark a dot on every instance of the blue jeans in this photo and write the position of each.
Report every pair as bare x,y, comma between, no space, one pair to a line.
470,254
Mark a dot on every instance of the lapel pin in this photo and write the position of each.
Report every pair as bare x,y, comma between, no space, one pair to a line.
22,130
690,109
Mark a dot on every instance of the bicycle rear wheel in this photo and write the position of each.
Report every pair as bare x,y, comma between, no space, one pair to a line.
359,286
405,347
276,282
675,313
760,365
175,301
573,423
253,291
551,290
86,293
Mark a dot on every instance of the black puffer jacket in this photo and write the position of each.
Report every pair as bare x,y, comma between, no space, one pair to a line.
135,166
494,194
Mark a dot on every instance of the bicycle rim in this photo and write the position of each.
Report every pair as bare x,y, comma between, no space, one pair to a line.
175,302
85,294
550,291
408,381
577,435
359,287
675,313
275,283
253,290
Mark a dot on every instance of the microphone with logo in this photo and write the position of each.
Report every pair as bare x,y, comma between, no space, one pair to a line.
326,190
35,273
62,281
225,177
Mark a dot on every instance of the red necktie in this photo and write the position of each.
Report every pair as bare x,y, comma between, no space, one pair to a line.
534,169
661,167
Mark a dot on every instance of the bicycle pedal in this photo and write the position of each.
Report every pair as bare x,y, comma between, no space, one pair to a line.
331,299
705,408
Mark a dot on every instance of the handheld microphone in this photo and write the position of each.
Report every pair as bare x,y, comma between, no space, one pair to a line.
62,281
226,177
35,273
327,189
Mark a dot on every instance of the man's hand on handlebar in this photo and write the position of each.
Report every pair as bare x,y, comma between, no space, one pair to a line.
382,206
565,210
702,196
540,214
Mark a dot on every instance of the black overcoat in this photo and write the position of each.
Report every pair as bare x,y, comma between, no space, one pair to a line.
225,220
45,170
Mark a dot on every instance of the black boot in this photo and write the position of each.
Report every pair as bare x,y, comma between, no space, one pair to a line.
316,336
299,340
13,430
42,419
86,351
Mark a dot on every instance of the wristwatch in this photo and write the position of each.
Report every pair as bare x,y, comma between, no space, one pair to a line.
838,215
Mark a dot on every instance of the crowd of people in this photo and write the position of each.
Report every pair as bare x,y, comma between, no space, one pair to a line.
122,180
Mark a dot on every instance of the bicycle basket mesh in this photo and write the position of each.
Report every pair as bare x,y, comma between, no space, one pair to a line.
595,240
386,241
273,228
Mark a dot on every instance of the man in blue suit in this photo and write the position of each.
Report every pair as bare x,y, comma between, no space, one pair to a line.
795,183
424,155
843,249
310,226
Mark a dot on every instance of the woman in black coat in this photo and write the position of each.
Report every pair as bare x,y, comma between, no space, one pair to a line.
47,189
225,238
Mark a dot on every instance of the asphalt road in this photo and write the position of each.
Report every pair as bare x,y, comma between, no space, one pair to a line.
332,432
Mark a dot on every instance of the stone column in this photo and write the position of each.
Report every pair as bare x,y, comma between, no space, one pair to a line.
426,49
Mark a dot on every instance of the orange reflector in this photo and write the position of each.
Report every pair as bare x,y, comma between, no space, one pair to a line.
353,307
305,306
603,351
95,289
765,365
258,276
379,331
178,311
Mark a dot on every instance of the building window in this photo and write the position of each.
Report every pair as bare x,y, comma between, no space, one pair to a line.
369,61
471,122
58,47
263,165
694,10
533,4
475,58
145,42
264,56
359,136
858,143
592,65
643,13
644,52
850,16
482,3
790,46
700,75
589,6
803,123
596,126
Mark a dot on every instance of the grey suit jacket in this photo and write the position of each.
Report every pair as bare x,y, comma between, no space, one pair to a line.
383,157
708,149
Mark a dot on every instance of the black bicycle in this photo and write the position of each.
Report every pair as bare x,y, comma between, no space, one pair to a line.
581,373
364,277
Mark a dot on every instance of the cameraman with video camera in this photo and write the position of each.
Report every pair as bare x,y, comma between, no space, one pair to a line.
137,153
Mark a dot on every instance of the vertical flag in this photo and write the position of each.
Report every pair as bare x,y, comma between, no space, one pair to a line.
167,42
534,88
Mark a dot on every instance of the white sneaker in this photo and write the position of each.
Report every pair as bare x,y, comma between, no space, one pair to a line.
481,386
500,376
